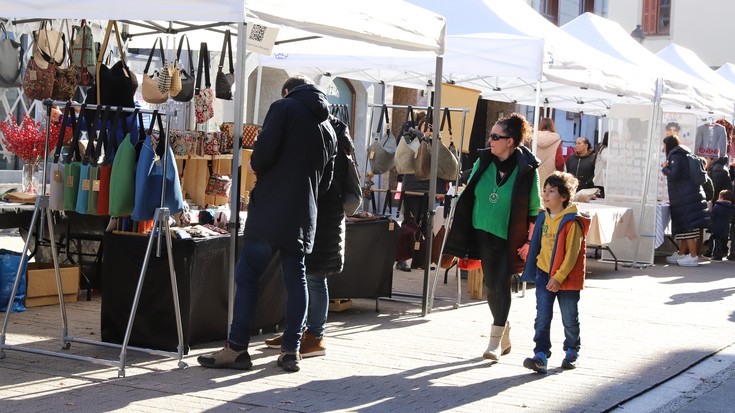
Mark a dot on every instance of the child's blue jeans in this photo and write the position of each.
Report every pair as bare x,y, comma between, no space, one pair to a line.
568,300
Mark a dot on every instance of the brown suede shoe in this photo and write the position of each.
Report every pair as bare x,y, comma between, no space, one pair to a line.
226,358
274,342
312,346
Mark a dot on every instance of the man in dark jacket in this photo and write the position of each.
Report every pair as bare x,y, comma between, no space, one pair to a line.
293,160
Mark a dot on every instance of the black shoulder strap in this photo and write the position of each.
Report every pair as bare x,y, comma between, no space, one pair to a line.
203,65
91,136
158,42
188,53
383,115
226,48
62,131
102,137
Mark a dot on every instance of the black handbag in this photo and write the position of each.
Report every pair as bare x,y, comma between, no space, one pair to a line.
115,85
11,53
225,81
187,77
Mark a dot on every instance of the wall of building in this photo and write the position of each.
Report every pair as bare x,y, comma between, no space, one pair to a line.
705,28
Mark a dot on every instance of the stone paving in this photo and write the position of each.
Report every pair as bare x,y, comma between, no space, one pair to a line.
640,327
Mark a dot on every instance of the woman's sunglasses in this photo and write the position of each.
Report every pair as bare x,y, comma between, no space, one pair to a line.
496,137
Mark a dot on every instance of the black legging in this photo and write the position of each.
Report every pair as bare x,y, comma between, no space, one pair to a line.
496,274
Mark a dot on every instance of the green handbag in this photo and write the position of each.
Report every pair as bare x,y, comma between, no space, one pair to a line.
72,165
122,177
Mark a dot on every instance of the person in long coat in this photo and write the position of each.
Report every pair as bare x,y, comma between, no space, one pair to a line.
687,203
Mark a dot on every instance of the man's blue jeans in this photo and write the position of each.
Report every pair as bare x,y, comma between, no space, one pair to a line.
318,304
568,300
254,260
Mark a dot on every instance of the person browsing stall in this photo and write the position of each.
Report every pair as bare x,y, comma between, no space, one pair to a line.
293,160
581,163
494,217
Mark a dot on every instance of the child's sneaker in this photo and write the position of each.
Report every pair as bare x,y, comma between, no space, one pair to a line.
570,360
537,363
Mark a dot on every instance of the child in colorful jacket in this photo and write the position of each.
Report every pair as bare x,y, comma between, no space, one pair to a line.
556,263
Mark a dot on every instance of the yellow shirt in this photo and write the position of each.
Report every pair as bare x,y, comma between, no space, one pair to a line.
548,238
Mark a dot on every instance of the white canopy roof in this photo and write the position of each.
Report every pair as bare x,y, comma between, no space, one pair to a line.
680,88
727,71
406,26
689,62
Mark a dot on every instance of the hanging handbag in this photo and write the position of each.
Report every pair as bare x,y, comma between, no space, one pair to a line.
82,52
225,81
203,97
250,133
382,153
94,167
448,162
11,58
122,176
56,181
446,261
422,163
149,178
218,184
407,145
72,164
151,92
85,181
105,168
181,141
406,238
65,80
186,75
49,46
38,84
114,85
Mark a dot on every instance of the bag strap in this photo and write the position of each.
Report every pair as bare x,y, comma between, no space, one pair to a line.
111,142
50,59
429,119
161,145
73,155
91,136
62,132
210,166
446,117
141,127
226,47
203,63
102,137
410,120
158,42
188,53
383,114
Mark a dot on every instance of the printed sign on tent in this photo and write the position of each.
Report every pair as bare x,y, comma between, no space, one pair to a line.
261,38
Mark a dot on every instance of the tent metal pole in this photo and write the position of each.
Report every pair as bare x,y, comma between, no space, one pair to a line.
258,86
536,117
431,209
240,107
655,124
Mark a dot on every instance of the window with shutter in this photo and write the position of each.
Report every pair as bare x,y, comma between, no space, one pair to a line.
656,17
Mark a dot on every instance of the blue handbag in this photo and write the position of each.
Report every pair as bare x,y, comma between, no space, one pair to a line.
85,183
149,177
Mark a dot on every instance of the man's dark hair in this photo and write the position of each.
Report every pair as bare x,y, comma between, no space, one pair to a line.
293,82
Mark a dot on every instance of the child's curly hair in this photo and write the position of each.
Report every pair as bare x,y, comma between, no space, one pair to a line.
565,183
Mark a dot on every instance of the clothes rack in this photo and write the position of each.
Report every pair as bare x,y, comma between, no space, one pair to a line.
427,295
160,229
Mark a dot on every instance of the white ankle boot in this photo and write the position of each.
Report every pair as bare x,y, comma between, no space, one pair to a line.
493,348
505,340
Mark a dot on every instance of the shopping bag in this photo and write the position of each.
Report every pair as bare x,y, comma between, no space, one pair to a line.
56,170
105,168
72,165
122,177
381,152
9,263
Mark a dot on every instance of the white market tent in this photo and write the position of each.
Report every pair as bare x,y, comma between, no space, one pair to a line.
405,27
727,71
688,61
680,88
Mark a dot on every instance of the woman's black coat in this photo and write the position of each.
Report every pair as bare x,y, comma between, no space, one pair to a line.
687,203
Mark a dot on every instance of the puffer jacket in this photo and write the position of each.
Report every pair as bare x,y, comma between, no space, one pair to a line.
548,151
583,168
460,241
687,203
720,175
328,255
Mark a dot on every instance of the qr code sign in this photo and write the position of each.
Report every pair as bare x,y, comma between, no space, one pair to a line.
257,33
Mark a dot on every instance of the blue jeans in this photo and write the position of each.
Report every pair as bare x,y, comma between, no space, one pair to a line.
568,300
254,260
316,315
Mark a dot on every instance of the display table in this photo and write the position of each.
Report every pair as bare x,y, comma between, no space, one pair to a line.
370,253
607,224
202,278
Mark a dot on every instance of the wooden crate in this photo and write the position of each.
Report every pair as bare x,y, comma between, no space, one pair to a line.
475,286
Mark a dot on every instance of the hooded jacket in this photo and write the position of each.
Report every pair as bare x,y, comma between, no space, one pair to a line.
460,241
574,279
293,160
687,201
327,256
548,151
722,213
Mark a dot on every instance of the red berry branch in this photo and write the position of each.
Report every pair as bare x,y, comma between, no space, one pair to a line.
27,140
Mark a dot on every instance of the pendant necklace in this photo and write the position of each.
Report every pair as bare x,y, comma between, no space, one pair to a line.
494,197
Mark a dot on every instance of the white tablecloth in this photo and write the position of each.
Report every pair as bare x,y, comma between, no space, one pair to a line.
608,223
